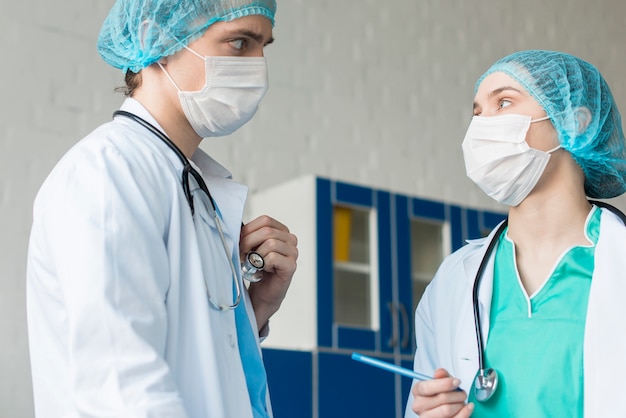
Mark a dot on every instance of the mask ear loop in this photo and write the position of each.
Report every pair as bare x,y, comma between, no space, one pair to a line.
169,77
194,52
540,119
554,149
550,151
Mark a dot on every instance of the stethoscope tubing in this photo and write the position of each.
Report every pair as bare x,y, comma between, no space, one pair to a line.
188,169
475,303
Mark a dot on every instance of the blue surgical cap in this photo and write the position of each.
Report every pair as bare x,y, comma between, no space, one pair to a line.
137,33
564,85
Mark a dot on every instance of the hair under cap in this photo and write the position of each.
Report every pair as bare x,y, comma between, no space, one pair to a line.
137,33
581,107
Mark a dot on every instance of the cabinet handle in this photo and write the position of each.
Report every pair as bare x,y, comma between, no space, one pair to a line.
393,341
405,326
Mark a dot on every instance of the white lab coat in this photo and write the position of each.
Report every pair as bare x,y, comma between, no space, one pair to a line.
444,321
118,316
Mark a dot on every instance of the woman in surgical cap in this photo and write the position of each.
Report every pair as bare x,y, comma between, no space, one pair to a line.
545,140
136,303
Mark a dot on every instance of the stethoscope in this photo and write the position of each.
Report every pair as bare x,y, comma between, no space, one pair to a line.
253,262
486,381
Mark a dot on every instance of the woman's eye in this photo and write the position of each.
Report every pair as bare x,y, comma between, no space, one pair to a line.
504,103
237,43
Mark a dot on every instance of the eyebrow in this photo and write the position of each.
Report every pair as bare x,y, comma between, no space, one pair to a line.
498,91
251,34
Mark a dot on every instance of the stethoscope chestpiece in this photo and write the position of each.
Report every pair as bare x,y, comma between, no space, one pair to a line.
485,384
252,263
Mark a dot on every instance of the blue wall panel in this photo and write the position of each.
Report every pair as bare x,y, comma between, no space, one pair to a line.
348,388
290,381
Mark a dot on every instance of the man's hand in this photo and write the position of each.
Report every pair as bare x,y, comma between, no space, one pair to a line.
278,247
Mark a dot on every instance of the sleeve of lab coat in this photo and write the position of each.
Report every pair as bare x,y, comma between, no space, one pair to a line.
106,224
444,320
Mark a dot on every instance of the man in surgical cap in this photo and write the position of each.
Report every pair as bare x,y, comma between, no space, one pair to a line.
136,304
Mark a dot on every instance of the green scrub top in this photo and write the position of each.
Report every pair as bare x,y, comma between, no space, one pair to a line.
536,343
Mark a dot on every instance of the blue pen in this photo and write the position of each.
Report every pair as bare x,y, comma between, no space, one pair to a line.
392,368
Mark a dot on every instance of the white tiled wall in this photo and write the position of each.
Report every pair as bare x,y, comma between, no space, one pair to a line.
365,91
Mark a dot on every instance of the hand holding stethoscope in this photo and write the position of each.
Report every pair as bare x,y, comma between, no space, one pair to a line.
277,246
269,251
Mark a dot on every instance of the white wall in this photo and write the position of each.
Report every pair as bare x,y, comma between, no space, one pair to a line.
364,91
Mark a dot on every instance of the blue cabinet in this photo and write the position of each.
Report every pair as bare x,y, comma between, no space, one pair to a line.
365,257
332,333
290,382
351,389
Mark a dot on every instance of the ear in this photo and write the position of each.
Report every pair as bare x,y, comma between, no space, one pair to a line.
142,31
148,32
582,116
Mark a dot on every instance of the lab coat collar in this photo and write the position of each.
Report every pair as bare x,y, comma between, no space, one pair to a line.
229,196
135,107
200,160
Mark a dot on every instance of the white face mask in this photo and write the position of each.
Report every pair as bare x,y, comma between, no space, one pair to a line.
499,160
230,98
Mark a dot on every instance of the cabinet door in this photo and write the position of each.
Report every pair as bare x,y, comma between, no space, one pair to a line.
290,382
348,388
354,266
423,240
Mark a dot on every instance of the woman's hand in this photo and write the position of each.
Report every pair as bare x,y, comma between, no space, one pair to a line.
278,247
439,398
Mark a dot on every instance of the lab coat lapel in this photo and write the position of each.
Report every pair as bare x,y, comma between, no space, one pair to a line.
605,341
466,332
230,196
485,290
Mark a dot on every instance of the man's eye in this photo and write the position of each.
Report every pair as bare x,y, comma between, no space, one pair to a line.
237,43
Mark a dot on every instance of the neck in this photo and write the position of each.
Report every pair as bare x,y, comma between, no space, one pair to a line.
558,218
161,100
556,210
